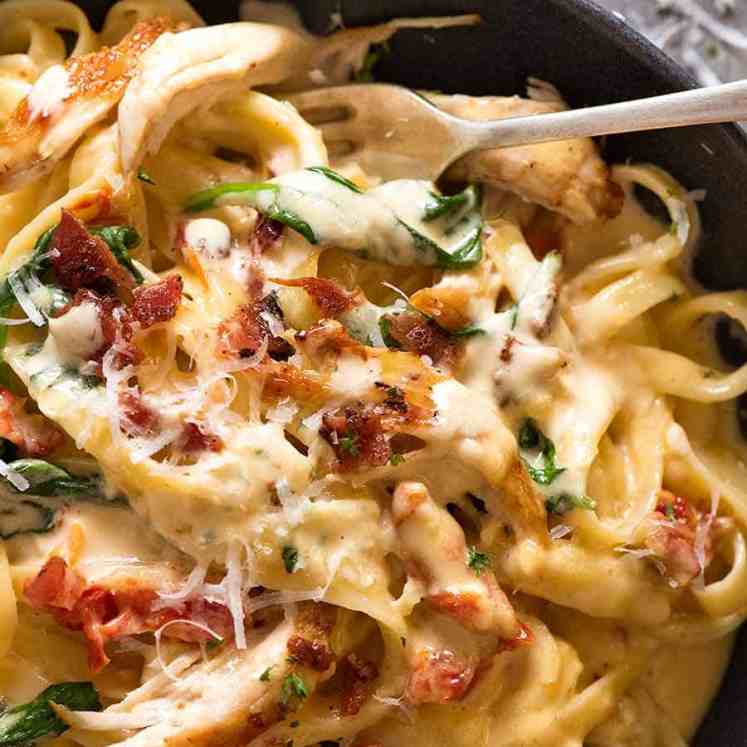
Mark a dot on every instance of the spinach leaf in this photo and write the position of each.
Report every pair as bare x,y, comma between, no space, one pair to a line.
440,205
329,209
335,177
50,480
120,239
24,724
236,192
24,517
470,330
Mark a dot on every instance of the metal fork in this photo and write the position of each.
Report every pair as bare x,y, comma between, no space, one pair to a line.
402,129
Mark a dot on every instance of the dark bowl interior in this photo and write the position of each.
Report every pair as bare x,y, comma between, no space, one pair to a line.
593,58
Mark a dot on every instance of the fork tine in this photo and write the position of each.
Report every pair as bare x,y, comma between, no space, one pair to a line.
324,100
340,132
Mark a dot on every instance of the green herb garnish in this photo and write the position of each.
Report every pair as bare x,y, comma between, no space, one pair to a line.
50,480
23,725
335,177
349,443
477,561
290,558
396,459
531,437
265,676
120,239
293,688
144,176
469,330
562,503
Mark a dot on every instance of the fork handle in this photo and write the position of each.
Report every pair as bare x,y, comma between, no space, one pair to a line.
723,103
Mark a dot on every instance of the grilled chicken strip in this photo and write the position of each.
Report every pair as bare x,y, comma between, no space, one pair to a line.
193,69
65,102
568,177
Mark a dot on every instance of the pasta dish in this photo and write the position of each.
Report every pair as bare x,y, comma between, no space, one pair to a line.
295,450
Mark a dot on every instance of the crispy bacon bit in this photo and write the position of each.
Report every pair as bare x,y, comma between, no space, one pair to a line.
422,336
674,533
356,435
248,329
34,435
55,585
525,637
156,303
267,232
138,419
357,675
195,438
314,654
439,677
467,607
107,614
328,336
331,298
84,260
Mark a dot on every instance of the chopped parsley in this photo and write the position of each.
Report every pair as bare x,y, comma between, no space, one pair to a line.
293,688
477,561
265,676
562,503
396,459
144,176
544,470
349,443
290,558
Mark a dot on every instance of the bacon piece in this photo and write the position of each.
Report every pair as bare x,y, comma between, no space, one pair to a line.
357,675
267,232
314,654
356,434
34,435
673,536
331,298
249,328
55,585
523,638
195,438
84,260
105,615
138,419
439,677
422,336
156,303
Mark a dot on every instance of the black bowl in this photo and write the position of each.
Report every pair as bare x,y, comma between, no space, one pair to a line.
593,58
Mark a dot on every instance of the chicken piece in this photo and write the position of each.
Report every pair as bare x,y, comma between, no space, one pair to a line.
65,102
434,547
568,177
229,700
193,69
